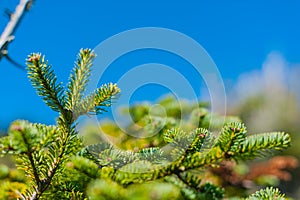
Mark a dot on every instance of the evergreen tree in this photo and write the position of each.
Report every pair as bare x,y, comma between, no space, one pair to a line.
53,162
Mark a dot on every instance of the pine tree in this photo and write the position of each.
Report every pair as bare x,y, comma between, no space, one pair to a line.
54,162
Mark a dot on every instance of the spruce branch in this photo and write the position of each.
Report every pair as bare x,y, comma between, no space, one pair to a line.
189,144
84,165
64,145
107,155
192,191
187,192
231,136
259,144
43,79
79,78
266,194
97,102
35,146
70,106
190,179
152,154
235,147
23,133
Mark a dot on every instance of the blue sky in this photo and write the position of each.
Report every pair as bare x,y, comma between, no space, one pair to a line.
238,35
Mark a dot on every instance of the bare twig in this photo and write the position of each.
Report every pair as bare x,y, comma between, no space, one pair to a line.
7,35
15,63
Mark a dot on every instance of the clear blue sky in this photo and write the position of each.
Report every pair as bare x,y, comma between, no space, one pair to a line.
238,35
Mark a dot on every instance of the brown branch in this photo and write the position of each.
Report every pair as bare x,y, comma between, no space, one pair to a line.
7,35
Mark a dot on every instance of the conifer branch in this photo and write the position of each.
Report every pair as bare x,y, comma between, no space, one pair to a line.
79,78
28,150
259,144
65,145
98,101
232,144
188,192
44,81
232,135
267,193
